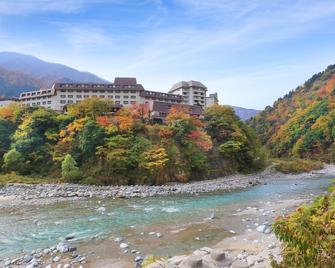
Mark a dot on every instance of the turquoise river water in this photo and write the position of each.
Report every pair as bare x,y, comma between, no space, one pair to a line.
27,228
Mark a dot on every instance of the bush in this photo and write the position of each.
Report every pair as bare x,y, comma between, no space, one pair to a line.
70,171
296,165
308,235
13,161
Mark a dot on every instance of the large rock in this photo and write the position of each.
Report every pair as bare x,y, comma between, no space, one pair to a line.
261,228
239,264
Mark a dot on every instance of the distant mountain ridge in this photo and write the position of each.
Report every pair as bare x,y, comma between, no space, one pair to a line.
19,72
244,113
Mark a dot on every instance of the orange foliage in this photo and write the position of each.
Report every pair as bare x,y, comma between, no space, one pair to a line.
103,121
177,113
201,139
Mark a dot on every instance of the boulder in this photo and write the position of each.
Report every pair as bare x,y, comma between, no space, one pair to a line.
239,264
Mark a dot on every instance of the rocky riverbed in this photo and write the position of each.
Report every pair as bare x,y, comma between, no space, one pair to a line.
38,194
249,248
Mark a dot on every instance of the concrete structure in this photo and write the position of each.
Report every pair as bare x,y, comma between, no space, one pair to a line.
212,99
124,91
5,102
193,92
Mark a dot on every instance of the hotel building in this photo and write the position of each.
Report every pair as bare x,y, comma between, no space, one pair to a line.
124,92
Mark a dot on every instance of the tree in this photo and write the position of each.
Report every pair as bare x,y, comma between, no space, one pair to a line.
14,161
91,107
91,136
70,171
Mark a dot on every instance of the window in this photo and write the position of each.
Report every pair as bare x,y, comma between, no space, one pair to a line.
117,102
62,101
70,90
125,102
38,103
78,90
79,96
62,96
70,96
133,102
126,91
44,102
117,97
117,91
63,90
86,96
111,97
70,101
102,96
126,97
49,102
101,91
133,97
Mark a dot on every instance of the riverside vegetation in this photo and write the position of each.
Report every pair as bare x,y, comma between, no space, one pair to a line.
91,145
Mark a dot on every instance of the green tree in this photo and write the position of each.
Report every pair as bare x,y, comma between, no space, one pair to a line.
70,171
14,161
91,136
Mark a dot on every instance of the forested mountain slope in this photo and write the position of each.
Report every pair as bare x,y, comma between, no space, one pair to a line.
301,124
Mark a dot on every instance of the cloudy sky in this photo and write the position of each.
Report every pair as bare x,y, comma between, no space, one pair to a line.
250,51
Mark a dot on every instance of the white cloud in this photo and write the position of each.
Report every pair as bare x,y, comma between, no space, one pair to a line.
84,37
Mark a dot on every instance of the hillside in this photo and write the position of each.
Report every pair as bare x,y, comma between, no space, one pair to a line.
302,123
244,113
36,73
12,82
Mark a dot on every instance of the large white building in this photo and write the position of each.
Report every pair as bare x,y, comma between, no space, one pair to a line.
124,92
193,92
6,102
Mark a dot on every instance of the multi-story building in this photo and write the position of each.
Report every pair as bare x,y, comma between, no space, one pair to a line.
212,99
5,102
194,93
124,91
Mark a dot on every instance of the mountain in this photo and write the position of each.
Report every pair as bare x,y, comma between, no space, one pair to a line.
244,113
11,82
302,123
37,73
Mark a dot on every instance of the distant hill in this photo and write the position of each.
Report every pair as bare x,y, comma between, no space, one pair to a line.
244,113
28,72
302,123
11,82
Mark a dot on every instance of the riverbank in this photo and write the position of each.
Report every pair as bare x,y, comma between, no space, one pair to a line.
12,195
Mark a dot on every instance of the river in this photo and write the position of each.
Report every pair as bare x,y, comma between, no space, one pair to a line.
181,220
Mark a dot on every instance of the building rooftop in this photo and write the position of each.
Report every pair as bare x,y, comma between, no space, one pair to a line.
190,83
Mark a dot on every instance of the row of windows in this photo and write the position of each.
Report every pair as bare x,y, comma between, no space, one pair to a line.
36,93
39,103
95,96
117,102
97,91
39,98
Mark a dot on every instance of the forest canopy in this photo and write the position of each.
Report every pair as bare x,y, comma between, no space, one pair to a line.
90,144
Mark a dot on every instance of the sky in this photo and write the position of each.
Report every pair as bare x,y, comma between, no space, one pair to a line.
249,51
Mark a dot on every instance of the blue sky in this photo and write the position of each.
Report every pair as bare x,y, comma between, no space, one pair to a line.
250,51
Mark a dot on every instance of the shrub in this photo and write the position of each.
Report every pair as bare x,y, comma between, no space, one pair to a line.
70,171
296,165
13,161
308,235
